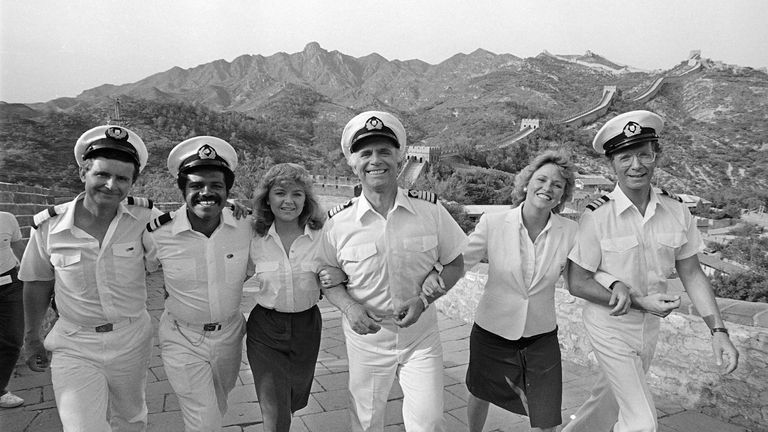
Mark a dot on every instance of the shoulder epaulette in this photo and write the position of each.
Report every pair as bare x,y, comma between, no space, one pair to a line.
598,202
671,195
138,201
159,221
47,214
334,211
425,195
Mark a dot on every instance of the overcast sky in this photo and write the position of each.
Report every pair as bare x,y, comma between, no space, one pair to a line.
56,48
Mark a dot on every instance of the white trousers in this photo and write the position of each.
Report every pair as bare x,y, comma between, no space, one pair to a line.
100,379
202,367
415,356
620,400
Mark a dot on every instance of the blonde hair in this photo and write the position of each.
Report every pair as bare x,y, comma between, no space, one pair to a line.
311,215
558,158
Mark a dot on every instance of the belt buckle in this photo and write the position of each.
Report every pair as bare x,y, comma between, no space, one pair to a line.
104,328
211,327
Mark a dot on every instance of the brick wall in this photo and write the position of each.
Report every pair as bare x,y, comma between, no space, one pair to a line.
24,202
684,367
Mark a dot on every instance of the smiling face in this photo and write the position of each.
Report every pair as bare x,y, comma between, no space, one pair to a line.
107,181
286,200
545,188
206,193
634,174
375,163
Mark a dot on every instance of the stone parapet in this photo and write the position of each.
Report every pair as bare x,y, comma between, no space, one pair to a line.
684,367
24,202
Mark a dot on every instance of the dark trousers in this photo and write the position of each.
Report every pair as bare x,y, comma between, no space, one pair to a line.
11,327
282,352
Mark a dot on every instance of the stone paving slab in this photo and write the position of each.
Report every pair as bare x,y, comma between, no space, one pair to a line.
327,410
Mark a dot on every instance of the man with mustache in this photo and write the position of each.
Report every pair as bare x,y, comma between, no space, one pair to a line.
89,252
628,243
203,250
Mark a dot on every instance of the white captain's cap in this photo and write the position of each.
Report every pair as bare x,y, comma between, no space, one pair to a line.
106,139
628,129
202,151
373,123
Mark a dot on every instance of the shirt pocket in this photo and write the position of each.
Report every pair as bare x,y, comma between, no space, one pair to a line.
668,246
235,264
620,254
358,260
180,269
265,271
68,269
420,244
128,261
126,250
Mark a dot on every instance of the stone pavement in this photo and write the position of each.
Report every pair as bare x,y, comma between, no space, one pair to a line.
327,409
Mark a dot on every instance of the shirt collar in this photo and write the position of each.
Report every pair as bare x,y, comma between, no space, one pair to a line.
623,202
272,232
181,221
401,200
517,215
67,220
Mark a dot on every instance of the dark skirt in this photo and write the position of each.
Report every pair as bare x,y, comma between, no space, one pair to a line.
523,376
282,352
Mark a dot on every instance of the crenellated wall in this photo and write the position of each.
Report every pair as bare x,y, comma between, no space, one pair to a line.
684,367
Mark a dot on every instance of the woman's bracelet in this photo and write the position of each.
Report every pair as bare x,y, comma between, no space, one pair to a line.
718,329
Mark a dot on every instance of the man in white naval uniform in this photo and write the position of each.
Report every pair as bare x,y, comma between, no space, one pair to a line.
388,240
203,250
89,252
630,241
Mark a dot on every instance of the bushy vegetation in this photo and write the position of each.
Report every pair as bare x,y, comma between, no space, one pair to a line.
749,249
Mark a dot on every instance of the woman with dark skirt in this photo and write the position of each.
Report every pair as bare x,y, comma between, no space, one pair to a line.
285,325
514,359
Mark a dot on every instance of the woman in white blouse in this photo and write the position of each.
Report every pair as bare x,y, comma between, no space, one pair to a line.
284,327
514,359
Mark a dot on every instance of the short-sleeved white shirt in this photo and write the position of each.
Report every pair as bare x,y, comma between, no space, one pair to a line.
387,259
286,282
203,275
639,250
93,284
9,233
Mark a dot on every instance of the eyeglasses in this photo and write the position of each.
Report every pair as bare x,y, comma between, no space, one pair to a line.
645,158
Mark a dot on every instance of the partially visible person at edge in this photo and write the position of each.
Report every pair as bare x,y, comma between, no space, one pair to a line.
89,251
285,325
203,249
11,305
390,242
514,354
628,242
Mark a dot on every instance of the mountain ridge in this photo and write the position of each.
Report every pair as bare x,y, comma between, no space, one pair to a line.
466,101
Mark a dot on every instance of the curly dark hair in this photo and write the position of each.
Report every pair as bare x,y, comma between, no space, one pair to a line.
567,170
312,215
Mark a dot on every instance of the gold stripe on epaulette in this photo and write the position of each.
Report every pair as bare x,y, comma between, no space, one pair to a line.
159,221
598,202
336,210
139,201
423,195
46,214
